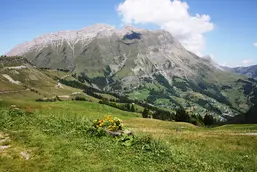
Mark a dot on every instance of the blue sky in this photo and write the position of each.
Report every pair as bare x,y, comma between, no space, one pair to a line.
230,42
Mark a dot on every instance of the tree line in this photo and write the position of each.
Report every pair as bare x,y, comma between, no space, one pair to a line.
126,104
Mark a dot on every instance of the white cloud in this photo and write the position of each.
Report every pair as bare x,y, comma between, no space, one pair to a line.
255,44
172,16
223,64
247,62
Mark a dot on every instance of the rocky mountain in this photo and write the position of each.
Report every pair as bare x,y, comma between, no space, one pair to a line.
101,49
250,71
146,65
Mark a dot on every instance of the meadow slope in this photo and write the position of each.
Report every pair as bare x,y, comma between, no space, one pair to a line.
54,136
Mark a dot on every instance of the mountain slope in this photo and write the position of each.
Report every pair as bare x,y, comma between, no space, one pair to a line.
98,47
17,75
135,61
250,71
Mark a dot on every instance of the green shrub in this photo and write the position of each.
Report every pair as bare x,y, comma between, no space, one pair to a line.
109,123
46,100
79,98
126,140
98,132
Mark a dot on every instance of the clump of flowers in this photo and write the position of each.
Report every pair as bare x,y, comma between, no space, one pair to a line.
109,123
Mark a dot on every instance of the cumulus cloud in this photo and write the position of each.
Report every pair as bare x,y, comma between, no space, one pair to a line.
172,16
255,44
247,62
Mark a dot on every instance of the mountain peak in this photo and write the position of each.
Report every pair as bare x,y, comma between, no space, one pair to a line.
98,27
133,28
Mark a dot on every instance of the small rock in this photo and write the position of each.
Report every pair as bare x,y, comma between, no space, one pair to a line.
127,132
114,133
119,133
13,106
4,147
25,155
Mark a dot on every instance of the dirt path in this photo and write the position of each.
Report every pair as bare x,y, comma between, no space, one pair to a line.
12,91
64,96
65,76
250,134
246,134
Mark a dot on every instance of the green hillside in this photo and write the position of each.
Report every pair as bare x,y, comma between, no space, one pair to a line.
18,76
55,137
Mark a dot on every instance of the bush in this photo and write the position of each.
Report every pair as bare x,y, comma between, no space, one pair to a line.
109,123
78,98
208,120
126,140
93,131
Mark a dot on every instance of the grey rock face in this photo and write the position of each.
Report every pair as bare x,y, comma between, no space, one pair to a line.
129,53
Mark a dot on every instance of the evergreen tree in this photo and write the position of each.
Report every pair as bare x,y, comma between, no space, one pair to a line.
208,120
182,115
145,113
132,109
128,106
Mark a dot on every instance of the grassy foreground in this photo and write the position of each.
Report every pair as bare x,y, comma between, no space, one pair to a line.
55,138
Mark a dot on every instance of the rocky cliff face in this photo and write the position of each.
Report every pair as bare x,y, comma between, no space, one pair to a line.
131,60
129,54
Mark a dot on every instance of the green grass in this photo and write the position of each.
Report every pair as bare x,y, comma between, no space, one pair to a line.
139,94
57,141
56,138
242,127
137,107
162,101
56,73
107,96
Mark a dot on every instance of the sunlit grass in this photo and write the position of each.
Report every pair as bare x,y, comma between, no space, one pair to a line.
53,136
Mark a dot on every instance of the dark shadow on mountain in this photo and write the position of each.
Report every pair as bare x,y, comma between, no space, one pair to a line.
249,117
132,36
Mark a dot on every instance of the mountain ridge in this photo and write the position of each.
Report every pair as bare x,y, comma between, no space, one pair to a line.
73,36
250,71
